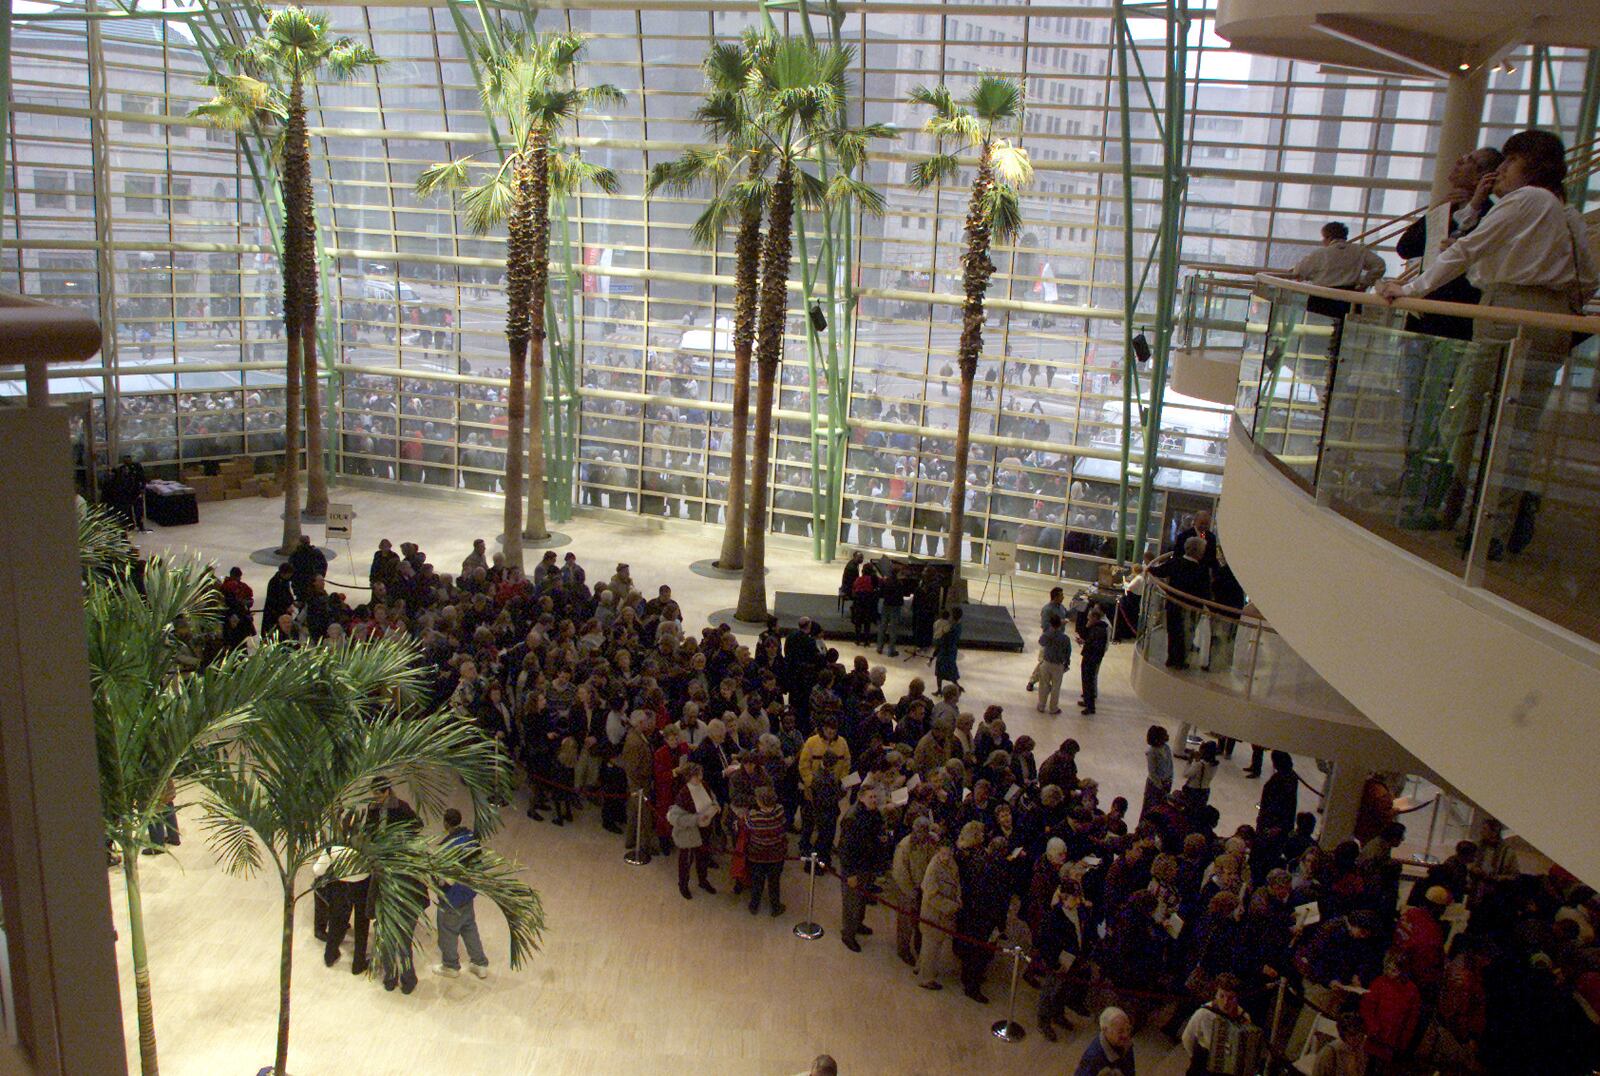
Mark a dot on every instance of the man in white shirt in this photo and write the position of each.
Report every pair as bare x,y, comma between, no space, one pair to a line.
1338,263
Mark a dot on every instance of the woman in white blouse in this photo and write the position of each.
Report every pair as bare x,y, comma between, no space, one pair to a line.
1530,252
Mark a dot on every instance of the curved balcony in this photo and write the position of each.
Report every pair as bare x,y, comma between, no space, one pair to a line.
1419,517
1245,681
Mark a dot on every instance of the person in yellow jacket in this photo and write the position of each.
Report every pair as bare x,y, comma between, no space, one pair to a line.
827,749
824,762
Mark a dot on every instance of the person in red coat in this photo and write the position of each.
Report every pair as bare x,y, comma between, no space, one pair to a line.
1391,1011
666,758
1420,940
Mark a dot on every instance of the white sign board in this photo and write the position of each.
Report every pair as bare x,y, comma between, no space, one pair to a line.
340,522
1002,558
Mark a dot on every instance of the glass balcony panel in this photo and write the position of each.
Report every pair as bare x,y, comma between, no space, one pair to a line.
1542,496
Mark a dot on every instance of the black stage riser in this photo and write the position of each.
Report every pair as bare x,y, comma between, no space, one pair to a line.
983,627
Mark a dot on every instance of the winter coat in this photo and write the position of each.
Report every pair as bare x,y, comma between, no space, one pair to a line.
941,888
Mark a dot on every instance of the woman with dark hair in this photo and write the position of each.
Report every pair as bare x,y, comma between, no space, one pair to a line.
1158,768
1530,252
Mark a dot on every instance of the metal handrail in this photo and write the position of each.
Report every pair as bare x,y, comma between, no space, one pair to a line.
1202,605
1534,319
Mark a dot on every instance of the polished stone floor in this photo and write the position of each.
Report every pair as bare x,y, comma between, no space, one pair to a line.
632,979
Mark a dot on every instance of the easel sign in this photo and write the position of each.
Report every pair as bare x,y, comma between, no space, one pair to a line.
340,522
1002,566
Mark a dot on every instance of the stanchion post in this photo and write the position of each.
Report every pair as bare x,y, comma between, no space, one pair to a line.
1008,1030
637,856
1277,1011
810,929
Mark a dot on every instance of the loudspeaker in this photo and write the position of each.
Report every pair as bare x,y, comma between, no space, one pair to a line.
819,320
1141,348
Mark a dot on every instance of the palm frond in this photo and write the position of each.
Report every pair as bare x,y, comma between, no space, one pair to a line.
444,176
570,173
103,545
488,204
1011,163
995,100
847,190
1003,209
939,98
932,171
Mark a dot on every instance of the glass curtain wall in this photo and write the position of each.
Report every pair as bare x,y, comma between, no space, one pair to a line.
116,201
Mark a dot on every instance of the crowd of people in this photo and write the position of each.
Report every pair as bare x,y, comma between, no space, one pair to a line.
734,760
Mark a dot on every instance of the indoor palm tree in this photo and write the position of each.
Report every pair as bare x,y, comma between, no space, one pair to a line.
530,81
984,121
798,91
263,89
300,778
153,719
736,152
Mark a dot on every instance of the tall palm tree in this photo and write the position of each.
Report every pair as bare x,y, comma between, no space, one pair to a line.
154,720
298,782
984,121
798,91
264,90
530,81
726,115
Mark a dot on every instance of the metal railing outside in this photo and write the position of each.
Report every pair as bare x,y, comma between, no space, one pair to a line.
1482,456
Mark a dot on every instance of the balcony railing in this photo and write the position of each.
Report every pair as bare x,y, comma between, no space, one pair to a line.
1234,652
1482,456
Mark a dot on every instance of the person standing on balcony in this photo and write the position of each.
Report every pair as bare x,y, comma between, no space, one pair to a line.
1338,263
1472,179
1186,575
1531,253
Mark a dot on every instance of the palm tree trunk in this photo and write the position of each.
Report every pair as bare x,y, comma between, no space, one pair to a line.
975,282
280,1064
291,444
746,276
539,150
316,465
518,282
295,185
141,963
774,311
535,528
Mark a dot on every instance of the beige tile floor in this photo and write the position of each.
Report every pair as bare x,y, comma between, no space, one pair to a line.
632,979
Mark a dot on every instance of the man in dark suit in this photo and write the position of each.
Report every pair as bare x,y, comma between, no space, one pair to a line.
1471,179
861,846
280,596
1092,642
1190,576
1200,528
801,657
306,562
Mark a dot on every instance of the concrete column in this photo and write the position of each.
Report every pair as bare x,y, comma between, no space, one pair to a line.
1342,802
52,840
1464,96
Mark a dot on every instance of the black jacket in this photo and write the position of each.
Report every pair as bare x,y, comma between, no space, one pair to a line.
861,842
1186,576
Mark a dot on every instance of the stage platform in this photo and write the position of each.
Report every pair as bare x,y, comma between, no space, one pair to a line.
983,627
